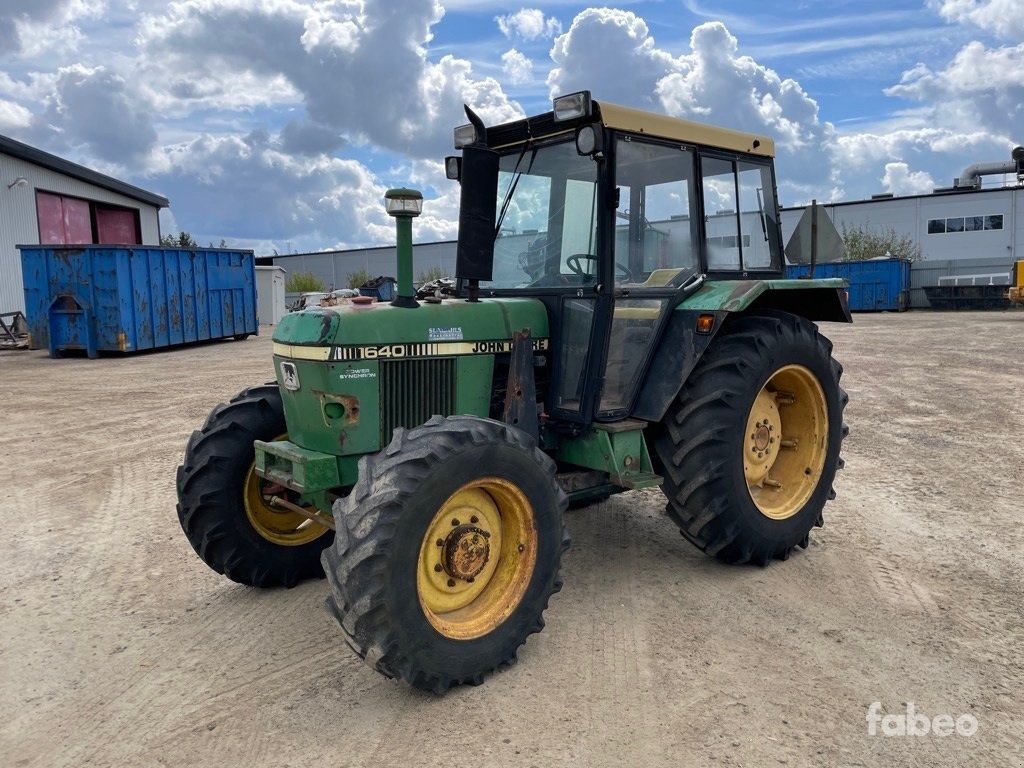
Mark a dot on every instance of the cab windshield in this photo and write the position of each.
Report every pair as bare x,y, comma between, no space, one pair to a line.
547,208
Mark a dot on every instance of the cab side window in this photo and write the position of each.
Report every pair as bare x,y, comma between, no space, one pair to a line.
655,230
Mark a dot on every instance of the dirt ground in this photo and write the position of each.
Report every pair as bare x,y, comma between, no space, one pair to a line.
118,647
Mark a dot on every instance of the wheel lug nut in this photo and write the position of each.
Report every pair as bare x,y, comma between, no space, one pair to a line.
455,522
451,582
438,568
474,519
440,542
760,455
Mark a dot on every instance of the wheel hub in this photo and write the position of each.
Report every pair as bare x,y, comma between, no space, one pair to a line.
761,437
466,552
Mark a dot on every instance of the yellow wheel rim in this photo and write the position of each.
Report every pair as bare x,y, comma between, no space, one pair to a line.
289,529
786,441
476,558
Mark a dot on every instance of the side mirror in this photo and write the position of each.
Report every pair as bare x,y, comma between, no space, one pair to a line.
474,257
453,167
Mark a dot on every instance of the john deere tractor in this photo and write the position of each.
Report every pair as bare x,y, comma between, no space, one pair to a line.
621,322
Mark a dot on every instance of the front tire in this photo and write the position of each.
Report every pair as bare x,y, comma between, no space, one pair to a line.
448,550
750,447
222,502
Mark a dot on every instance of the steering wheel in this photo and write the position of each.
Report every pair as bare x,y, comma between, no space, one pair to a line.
574,265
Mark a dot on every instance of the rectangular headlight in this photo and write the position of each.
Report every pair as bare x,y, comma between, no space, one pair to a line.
571,106
464,136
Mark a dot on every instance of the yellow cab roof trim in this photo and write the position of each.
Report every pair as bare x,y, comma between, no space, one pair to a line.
685,131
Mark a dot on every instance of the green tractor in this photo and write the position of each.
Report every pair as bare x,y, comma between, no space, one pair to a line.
622,322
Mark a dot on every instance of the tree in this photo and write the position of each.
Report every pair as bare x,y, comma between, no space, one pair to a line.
182,240
863,243
303,282
357,278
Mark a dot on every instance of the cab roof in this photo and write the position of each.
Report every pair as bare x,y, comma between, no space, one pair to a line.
634,121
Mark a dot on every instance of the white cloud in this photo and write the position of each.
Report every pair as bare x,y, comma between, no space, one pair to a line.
517,67
529,24
612,52
1001,17
230,186
900,180
980,87
13,116
360,68
16,15
711,83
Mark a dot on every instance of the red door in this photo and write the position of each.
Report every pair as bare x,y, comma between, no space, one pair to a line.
118,226
63,220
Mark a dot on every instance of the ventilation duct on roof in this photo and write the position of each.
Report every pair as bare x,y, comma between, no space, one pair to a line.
970,177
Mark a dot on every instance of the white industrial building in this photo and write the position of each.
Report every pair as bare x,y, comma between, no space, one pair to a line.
49,200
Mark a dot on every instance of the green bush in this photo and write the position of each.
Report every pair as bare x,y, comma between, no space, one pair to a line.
357,278
181,240
303,282
863,243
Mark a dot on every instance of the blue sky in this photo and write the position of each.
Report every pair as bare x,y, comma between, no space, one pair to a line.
278,124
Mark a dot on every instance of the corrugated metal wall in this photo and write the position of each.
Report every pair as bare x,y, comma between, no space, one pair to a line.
334,267
18,224
924,273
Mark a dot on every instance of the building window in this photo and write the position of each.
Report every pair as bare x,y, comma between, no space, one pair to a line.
965,224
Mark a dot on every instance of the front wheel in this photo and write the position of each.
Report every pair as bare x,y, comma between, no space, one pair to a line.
223,504
750,448
447,552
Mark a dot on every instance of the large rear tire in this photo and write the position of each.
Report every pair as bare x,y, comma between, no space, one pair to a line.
447,551
222,502
750,447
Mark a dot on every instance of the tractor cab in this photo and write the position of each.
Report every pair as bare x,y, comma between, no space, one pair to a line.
611,217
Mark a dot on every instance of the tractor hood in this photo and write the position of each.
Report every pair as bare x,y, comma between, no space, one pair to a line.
452,320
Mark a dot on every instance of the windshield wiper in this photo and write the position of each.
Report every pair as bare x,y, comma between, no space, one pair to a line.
513,182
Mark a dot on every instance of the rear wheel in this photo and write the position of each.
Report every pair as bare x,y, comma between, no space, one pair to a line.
223,504
750,448
447,552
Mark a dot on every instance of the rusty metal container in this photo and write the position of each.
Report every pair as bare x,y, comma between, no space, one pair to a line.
101,298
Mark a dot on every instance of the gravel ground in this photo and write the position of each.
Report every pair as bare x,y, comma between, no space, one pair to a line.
118,647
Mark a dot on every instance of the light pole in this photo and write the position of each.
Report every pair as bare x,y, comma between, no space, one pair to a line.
405,205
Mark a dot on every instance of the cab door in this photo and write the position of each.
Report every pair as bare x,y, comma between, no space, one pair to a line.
655,250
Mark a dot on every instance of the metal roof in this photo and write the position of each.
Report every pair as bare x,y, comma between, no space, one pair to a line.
687,131
59,165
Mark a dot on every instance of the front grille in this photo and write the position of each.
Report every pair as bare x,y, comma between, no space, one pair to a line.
411,391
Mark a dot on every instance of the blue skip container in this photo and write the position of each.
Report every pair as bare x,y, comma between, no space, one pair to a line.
102,298
876,285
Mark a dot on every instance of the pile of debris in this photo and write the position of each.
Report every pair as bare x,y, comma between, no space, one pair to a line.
440,288
13,331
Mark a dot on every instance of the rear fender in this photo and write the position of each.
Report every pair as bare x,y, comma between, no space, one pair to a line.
681,346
